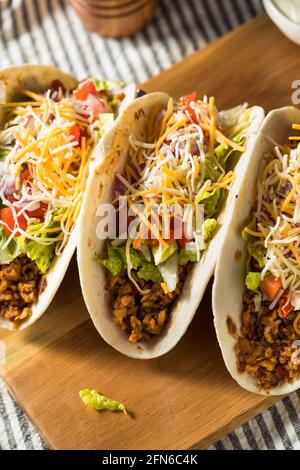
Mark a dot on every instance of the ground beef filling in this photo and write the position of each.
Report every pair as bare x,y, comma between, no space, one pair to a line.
19,288
142,315
265,349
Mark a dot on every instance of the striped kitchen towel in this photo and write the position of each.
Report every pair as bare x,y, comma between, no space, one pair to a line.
48,31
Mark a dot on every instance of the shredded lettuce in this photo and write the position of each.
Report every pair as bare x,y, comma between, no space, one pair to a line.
149,272
208,229
253,281
212,171
223,153
96,400
256,251
252,226
161,254
42,254
189,253
116,263
210,200
9,253
4,151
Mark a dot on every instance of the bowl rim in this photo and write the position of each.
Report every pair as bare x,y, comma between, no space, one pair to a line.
287,19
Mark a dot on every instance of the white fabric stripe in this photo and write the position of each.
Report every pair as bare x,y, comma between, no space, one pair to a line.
148,55
201,14
166,33
287,424
257,434
244,9
12,45
231,14
178,26
14,420
86,49
37,35
162,41
57,47
24,37
188,15
74,54
213,8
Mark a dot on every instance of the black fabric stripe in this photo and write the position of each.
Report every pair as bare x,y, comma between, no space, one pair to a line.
21,31
15,29
154,53
6,420
236,444
90,41
36,11
211,18
225,16
248,9
24,427
280,428
59,36
144,62
251,7
110,50
158,31
250,437
265,432
3,39
238,11
219,445
79,47
123,50
292,415
201,24
168,17
187,28
28,28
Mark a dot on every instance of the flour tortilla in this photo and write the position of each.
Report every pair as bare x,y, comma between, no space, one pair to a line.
113,154
229,284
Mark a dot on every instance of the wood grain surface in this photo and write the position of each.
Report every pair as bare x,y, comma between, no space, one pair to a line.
185,399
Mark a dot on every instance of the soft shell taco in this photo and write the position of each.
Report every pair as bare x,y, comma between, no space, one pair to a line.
256,294
49,127
142,289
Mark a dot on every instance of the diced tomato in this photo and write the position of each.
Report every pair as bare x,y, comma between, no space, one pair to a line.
7,217
77,133
186,104
285,307
38,213
88,88
11,198
270,286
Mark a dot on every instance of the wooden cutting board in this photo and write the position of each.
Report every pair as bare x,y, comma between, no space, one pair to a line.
185,399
